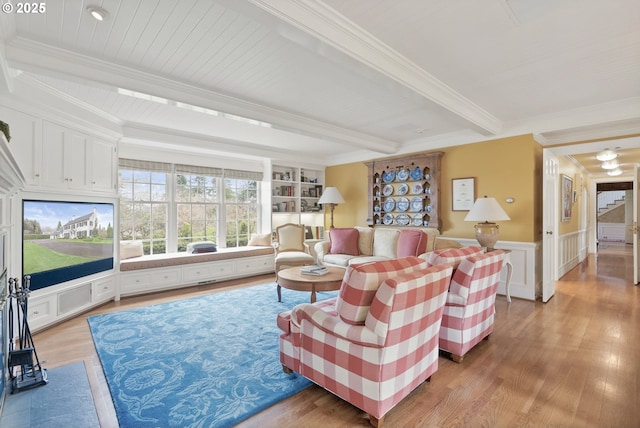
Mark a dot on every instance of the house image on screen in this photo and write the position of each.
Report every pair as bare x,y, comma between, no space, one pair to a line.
78,227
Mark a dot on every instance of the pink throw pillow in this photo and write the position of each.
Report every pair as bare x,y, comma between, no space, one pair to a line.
411,243
344,241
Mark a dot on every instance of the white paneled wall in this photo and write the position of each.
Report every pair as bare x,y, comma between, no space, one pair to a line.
572,249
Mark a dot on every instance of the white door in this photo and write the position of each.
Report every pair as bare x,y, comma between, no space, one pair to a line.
636,226
550,195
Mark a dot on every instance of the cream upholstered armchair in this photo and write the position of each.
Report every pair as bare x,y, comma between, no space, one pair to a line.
377,341
290,247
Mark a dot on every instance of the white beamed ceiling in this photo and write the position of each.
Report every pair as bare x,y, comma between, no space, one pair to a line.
338,80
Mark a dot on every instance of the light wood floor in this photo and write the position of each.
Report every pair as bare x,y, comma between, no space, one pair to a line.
572,362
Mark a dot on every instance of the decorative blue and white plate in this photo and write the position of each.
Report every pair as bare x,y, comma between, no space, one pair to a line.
389,204
403,219
416,204
428,208
387,190
403,189
403,204
387,219
388,177
416,220
416,174
402,174
416,189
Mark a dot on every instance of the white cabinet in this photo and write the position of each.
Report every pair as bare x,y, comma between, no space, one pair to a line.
42,311
73,160
148,280
103,290
26,141
53,304
64,154
56,157
155,279
102,157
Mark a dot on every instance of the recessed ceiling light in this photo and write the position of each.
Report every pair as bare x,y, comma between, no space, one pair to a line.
615,172
606,155
612,164
98,13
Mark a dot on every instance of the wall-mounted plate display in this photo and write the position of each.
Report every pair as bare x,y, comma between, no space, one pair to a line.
403,220
402,205
402,174
387,219
387,190
389,204
403,189
389,176
416,204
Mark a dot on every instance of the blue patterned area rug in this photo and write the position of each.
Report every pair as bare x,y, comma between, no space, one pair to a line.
209,361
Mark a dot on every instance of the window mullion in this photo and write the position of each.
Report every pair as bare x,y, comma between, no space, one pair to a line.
172,213
221,238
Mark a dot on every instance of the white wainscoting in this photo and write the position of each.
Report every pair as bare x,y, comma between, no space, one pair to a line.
611,232
526,279
572,249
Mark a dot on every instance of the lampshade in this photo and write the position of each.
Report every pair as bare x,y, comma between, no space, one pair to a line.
606,155
486,211
331,195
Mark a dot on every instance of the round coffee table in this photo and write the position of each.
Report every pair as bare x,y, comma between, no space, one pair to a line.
293,279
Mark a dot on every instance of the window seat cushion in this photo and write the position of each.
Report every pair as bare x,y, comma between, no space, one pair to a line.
174,259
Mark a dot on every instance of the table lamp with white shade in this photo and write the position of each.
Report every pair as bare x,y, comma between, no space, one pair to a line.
486,211
332,197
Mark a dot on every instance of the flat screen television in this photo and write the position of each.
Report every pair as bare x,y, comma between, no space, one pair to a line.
65,240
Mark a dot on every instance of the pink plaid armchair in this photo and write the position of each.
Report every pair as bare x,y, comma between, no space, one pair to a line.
377,341
470,308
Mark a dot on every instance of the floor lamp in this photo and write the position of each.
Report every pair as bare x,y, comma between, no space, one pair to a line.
331,197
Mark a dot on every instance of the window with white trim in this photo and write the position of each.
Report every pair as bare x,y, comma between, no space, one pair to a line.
207,204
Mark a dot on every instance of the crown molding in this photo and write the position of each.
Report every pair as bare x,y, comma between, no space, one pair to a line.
38,57
323,22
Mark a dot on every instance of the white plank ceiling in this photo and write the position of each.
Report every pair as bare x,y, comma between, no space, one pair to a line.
339,80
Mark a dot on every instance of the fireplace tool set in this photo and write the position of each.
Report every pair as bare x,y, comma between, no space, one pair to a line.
24,365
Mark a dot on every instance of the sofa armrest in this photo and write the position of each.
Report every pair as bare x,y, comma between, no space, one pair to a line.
331,324
321,248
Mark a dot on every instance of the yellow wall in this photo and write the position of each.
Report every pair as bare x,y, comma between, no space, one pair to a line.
509,167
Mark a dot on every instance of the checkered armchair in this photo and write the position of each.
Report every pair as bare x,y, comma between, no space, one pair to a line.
470,308
377,341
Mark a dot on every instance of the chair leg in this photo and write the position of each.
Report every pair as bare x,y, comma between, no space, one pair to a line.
286,369
457,358
376,422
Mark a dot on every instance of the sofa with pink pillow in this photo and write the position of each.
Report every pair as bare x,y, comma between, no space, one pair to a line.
367,244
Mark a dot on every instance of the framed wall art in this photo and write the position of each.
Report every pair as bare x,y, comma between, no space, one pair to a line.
567,197
463,193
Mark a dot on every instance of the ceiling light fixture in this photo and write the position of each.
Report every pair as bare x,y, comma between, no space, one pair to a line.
606,155
98,13
612,164
614,172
